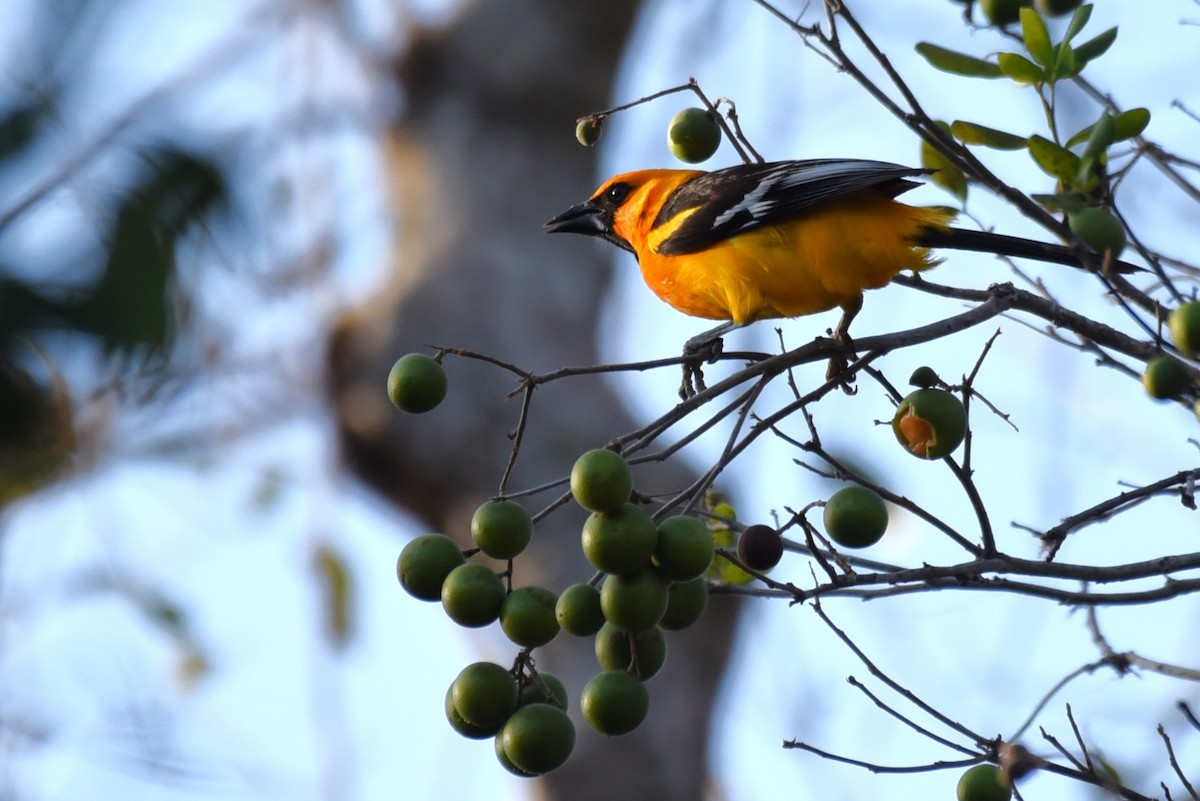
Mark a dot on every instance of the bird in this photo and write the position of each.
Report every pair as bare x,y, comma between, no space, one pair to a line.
778,239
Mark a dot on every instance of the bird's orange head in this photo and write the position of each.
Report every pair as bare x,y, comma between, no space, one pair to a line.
624,209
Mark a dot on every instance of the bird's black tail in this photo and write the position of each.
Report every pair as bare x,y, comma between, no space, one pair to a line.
1001,245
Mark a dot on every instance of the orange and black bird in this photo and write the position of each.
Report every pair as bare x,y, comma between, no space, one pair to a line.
779,239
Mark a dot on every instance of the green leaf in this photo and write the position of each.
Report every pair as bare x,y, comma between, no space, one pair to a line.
337,586
1129,124
1066,66
132,306
1036,37
1078,20
1094,48
1125,125
1101,137
1054,159
1020,69
970,133
957,63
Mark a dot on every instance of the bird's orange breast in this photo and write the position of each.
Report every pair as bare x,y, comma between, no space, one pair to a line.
818,261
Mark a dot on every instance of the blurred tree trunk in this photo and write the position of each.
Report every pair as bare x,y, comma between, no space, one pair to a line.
484,155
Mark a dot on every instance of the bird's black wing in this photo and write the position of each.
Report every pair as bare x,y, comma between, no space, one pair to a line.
741,198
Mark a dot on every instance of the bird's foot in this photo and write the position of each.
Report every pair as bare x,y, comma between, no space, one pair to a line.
839,363
697,351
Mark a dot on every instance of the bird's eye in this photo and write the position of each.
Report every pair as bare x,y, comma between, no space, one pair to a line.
617,192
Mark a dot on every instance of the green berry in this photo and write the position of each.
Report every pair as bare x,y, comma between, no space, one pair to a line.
601,481
507,763
684,548
424,564
983,783
1056,8
923,377
1165,377
484,695
416,383
620,542
460,725
634,603
930,423
1099,229
1184,325
578,610
472,595
855,517
587,130
527,616
1002,12
693,135
537,738
642,654
685,604
614,702
501,529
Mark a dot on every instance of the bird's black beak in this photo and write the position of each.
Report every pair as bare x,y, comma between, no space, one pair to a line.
582,219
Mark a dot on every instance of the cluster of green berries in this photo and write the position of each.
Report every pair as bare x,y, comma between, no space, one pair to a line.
652,578
523,709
